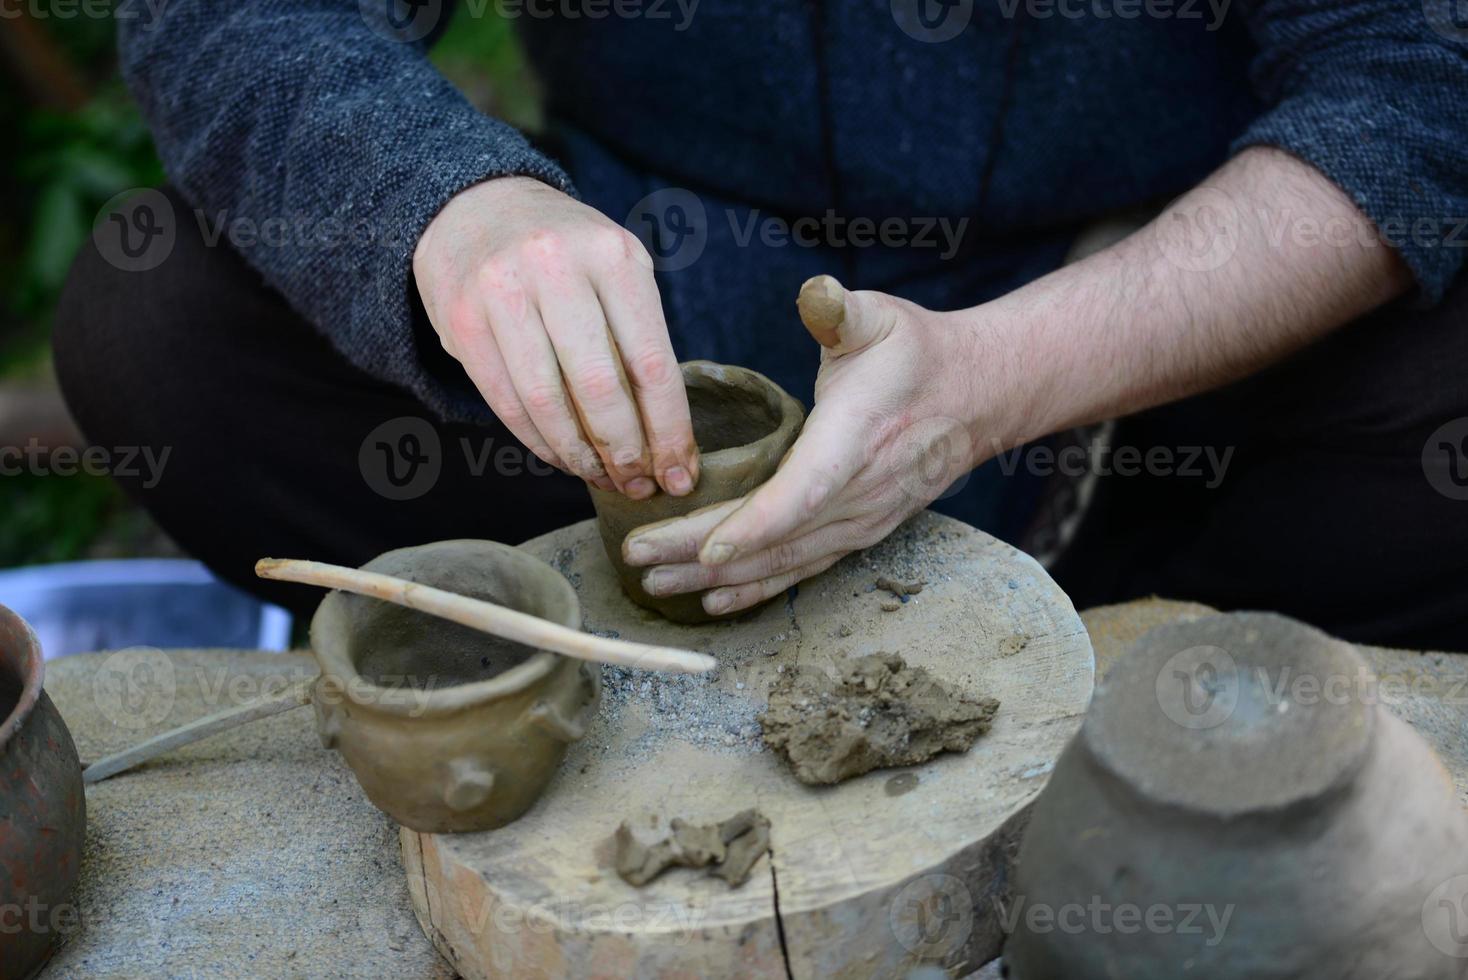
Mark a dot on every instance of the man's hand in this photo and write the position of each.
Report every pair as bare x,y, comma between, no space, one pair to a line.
889,432
908,399
553,311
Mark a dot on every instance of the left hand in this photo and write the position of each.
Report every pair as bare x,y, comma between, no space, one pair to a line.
894,424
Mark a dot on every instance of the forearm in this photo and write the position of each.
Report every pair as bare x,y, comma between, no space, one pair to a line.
319,149
1266,256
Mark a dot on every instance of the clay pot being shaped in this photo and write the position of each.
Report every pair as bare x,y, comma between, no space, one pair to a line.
448,729
43,809
744,424
1238,806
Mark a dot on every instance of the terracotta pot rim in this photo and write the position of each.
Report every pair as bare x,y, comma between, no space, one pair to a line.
331,653
789,411
31,664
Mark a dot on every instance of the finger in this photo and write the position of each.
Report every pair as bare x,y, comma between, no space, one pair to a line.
782,557
822,461
844,321
534,372
629,295
676,539
599,392
735,597
479,354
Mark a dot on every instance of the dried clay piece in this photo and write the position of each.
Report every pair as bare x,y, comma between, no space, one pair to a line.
645,848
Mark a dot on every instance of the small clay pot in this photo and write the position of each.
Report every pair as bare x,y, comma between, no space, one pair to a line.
448,729
43,808
1241,764
744,424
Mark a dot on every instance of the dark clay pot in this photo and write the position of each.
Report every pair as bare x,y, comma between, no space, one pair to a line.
744,424
448,729
43,809
1242,764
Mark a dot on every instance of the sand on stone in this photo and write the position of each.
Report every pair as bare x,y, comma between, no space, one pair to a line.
879,713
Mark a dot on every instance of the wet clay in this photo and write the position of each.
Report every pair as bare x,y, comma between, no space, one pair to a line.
880,713
447,729
744,424
900,589
647,847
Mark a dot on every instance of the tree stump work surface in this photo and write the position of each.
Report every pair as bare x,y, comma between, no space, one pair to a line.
868,878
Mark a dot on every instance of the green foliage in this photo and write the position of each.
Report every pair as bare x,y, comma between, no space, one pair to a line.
480,53
72,165
54,518
61,168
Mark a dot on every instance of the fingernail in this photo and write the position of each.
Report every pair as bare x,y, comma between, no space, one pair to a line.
717,602
641,488
602,483
718,554
657,581
638,551
678,480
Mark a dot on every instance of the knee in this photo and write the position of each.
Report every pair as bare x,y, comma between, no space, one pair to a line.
115,337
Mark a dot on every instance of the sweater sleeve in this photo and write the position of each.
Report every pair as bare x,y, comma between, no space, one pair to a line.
1374,94
320,141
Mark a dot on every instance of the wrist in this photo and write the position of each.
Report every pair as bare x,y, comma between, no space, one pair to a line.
1007,397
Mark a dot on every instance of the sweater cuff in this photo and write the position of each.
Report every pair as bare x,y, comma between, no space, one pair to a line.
455,155
1369,149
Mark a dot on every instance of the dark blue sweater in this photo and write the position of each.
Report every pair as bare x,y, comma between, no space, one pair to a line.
1032,117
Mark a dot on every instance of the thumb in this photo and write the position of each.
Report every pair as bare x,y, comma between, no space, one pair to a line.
841,320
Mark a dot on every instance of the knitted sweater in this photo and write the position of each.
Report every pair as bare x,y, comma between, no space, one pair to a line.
942,150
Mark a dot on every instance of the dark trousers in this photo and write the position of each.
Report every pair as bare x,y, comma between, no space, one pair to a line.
1343,500
276,445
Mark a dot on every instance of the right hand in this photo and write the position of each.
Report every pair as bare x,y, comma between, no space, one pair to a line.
552,309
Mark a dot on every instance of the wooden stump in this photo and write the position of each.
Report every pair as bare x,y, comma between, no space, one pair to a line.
868,878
